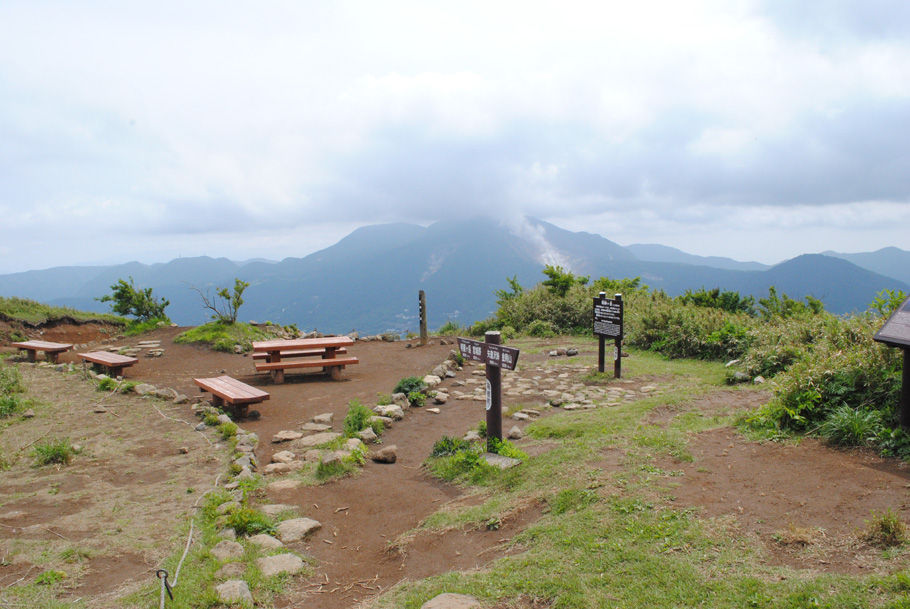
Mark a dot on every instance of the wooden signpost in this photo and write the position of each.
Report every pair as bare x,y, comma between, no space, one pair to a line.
422,307
896,333
608,324
496,357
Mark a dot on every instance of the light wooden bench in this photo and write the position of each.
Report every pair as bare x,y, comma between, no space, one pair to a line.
332,365
226,389
297,353
113,362
51,350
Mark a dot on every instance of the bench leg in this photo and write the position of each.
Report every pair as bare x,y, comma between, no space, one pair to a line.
51,356
116,371
278,376
30,355
335,372
217,401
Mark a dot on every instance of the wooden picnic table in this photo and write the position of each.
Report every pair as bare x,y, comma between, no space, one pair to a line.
113,362
51,350
280,355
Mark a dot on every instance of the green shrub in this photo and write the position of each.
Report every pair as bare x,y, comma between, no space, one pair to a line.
10,380
247,521
886,530
417,398
458,358
540,329
450,328
333,469
685,330
210,419
53,451
729,301
447,446
128,300
358,419
10,405
886,302
227,430
846,426
106,384
142,326
506,449
409,384
49,578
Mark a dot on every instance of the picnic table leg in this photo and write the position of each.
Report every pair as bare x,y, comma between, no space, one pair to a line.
51,356
217,401
277,375
335,372
30,355
116,371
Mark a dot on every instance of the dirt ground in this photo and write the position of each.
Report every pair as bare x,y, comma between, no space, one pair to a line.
778,493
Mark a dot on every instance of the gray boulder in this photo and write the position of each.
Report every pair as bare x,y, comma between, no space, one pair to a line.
278,564
234,591
296,529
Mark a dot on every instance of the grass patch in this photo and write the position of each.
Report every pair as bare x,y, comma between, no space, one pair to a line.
35,313
56,451
222,336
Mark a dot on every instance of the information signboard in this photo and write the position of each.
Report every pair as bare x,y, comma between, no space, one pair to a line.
608,317
488,353
896,331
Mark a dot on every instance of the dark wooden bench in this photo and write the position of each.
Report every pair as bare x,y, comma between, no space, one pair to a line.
226,389
297,353
51,350
114,363
332,365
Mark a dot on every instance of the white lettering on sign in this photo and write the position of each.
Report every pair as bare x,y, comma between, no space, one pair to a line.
489,395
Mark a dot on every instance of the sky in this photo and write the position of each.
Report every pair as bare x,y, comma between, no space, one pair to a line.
756,130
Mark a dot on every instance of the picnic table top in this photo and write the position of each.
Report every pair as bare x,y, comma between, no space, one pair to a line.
108,358
43,345
302,343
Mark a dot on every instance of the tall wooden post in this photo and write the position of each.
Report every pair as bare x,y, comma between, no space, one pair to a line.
601,345
494,395
617,361
422,305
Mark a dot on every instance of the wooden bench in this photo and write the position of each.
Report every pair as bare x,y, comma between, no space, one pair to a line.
113,362
236,393
298,353
51,350
332,365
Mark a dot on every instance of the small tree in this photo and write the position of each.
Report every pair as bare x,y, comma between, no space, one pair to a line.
225,305
128,300
561,280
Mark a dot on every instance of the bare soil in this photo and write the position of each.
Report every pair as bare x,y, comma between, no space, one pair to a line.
777,493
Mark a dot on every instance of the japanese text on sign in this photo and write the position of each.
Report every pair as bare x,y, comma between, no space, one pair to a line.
492,354
608,317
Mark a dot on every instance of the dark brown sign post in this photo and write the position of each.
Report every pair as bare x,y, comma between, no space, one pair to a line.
422,307
495,356
896,333
608,324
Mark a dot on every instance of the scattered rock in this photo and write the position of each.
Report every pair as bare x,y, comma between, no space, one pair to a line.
500,461
228,533
231,569
515,433
28,414
440,398
278,564
284,456
520,416
433,410
386,421
274,509
367,435
277,468
472,436
296,529
387,454
315,440
223,418
431,380
732,362
226,549
316,427
201,427
284,485
99,409
758,380
183,450
740,377
392,411
324,419
400,399
265,541
450,600
571,351
181,399
234,591
144,389
286,435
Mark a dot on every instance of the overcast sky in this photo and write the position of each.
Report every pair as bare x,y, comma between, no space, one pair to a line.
148,131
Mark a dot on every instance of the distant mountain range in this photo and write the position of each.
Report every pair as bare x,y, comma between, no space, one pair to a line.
369,280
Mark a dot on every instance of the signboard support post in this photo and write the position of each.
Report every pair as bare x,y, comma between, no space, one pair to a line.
617,354
601,345
494,394
905,391
422,306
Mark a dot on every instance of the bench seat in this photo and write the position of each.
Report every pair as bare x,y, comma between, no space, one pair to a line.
114,362
306,363
51,350
297,353
226,389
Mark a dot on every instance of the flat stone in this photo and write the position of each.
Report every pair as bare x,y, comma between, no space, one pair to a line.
265,541
278,564
274,509
431,380
231,569
234,591
286,435
515,433
316,439
284,456
324,418
521,416
226,550
284,485
144,389
317,427
450,600
296,529
471,436
367,435
440,398
433,410
276,468
500,461
392,411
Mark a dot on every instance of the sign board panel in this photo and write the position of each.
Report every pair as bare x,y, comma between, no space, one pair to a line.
487,353
896,331
608,317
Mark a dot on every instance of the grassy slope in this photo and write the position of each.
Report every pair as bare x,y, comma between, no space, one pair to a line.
612,538
34,313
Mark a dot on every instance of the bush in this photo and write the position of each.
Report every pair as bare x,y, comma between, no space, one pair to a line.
53,451
886,530
227,430
731,302
358,419
540,329
10,380
450,328
417,398
685,330
846,426
10,405
446,446
106,384
128,300
247,521
409,384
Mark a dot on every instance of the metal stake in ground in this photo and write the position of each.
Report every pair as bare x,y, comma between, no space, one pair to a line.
494,394
422,306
